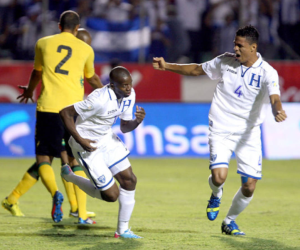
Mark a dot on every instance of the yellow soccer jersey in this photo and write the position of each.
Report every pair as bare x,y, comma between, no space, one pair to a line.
64,61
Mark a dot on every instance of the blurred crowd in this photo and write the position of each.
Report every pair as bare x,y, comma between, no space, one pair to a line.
181,30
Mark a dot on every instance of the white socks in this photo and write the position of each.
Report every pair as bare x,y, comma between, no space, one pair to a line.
217,191
84,184
239,203
126,205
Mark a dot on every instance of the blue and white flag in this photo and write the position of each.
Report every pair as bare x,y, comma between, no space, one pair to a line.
119,40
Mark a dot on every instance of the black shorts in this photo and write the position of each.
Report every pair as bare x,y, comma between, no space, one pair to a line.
49,134
67,146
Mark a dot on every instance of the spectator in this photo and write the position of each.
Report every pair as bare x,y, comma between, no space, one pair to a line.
189,13
159,40
30,31
179,41
227,34
267,26
156,10
218,11
113,10
10,11
289,21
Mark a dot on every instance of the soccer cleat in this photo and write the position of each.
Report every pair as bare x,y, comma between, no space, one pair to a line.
231,229
12,208
89,214
57,213
65,170
212,209
87,221
127,234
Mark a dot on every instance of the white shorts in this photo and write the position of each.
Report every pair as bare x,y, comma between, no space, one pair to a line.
107,160
247,148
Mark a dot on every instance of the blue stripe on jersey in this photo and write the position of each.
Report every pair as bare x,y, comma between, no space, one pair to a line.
220,163
248,175
243,73
109,93
86,167
118,161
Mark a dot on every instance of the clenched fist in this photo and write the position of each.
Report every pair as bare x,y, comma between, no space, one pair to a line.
159,63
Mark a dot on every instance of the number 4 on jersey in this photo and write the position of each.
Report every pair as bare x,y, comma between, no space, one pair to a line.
238,91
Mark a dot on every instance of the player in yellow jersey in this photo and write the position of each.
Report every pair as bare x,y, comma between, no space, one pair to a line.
62,62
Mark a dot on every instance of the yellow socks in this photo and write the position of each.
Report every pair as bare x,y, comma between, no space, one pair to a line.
80,195
23,186
48,178
69,186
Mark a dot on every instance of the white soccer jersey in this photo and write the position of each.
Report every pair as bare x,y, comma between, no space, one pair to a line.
99,111
242,93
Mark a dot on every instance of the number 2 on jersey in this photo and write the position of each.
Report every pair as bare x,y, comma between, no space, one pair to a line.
64,60
238,91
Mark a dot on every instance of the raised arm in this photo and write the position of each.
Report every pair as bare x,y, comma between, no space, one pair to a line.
95,82
192,69
67,115
277,110
127,126
35,78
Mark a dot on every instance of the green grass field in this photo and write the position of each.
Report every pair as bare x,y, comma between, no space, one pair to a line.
171,200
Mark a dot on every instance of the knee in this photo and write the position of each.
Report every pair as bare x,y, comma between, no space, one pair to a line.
218,179
129,183
133,179
111,196
248,189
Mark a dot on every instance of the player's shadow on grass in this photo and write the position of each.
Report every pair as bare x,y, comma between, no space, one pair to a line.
249,243
81,227
88,237
124,244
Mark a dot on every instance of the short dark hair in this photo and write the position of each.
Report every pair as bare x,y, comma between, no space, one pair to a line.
69,20
117,74
249,32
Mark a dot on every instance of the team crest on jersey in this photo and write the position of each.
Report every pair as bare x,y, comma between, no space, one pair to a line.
81,81
213,157
89,107
274,84
101,179
255,80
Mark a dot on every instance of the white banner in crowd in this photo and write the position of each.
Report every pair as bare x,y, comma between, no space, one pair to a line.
282,140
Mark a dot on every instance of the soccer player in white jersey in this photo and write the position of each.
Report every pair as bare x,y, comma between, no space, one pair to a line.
99,151
247,84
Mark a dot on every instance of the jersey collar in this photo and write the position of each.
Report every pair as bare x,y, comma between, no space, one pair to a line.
111,93
258,61
67,34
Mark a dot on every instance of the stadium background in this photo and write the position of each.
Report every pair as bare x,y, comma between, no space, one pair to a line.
176,106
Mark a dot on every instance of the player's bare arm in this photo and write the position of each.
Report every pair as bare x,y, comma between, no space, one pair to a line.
127,126
277,110
34,80
95,82
67,115
192,69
